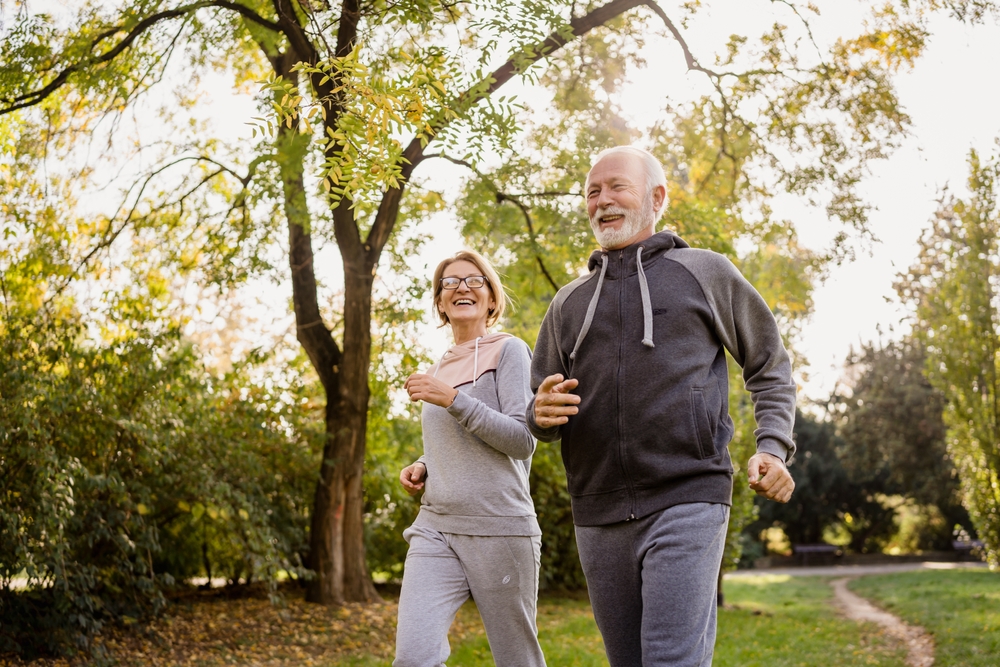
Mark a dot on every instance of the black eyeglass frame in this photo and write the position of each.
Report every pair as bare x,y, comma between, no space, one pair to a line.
465,280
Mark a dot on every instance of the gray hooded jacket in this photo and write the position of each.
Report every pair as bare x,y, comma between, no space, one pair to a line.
646,334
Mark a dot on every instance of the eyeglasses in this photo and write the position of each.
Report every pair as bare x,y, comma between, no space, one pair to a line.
472,282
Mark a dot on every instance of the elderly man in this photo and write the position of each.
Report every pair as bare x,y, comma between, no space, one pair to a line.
630,373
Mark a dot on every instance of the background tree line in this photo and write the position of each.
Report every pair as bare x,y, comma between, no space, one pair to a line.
137,451
909,455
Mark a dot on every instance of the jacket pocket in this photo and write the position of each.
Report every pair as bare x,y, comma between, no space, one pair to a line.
702,423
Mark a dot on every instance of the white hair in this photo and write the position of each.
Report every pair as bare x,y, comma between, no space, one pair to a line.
651,167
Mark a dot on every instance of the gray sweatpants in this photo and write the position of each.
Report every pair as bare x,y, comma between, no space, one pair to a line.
442,570
653,584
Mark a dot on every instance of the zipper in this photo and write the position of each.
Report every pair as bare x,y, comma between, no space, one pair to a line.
618,382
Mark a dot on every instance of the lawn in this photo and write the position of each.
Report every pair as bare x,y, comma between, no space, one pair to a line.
780,621
960,608
768,621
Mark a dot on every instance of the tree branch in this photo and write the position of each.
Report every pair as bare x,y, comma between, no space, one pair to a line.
805,24
413,155
111,234
36,97
501,197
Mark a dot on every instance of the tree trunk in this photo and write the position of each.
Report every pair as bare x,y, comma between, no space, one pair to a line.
359,273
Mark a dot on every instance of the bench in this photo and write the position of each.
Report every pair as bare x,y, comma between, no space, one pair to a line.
965,547
823,551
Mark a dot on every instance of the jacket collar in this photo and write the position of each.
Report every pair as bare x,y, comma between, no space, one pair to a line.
655,245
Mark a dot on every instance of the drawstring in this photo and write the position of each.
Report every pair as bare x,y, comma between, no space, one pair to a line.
475,363
647,308
591,309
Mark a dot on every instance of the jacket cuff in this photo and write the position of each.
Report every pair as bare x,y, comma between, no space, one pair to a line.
775,448
550,434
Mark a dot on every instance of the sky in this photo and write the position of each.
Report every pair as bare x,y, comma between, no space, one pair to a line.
952,105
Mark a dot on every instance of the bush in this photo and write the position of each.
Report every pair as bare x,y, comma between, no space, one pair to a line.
127,467
560,568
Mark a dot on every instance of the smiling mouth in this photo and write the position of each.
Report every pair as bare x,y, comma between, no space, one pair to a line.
610,219
464,302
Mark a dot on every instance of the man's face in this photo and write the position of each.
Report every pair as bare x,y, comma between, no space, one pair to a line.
620,206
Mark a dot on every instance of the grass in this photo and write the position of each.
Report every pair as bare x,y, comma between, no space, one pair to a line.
768,621
780,621
566,631
960,608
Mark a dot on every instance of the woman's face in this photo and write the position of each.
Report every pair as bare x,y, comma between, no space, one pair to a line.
465,305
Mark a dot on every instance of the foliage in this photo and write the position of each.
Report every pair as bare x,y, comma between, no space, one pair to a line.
960,608
126,469
394,432
954,291
893,435
826,496
127,463
560,568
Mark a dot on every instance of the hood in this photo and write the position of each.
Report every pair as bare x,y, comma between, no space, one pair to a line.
657,243
467,361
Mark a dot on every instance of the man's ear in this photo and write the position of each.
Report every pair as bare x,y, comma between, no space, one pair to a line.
659,198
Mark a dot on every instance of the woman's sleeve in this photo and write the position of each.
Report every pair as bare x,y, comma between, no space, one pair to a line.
506,430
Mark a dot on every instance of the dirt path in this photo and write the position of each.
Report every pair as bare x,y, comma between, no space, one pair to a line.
918,642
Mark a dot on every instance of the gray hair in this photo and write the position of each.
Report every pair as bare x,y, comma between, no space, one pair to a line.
651,167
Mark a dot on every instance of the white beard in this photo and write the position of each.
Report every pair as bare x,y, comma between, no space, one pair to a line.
634,222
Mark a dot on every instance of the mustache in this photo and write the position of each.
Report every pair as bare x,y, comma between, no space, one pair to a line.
611,210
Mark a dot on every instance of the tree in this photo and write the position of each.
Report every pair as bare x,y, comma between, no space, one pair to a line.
953,289
893,434
372,72
826,496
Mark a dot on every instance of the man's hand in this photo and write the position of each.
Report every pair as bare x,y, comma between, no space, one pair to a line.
412,478
769,477
553,402
428,388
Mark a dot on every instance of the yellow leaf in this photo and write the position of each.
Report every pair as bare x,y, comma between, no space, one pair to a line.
143,510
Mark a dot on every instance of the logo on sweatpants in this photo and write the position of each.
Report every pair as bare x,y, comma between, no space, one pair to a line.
506,580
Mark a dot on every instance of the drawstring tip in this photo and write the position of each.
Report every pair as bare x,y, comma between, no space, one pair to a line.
572,356
647,342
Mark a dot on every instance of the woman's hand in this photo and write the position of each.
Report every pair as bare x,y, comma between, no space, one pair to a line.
412,478
428,388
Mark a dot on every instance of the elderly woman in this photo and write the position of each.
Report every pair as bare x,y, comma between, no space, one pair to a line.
476,533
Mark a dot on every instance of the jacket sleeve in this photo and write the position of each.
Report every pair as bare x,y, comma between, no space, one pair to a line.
546,361
748,330
505,431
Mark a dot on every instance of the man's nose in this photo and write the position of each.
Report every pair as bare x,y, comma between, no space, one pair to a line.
604,199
